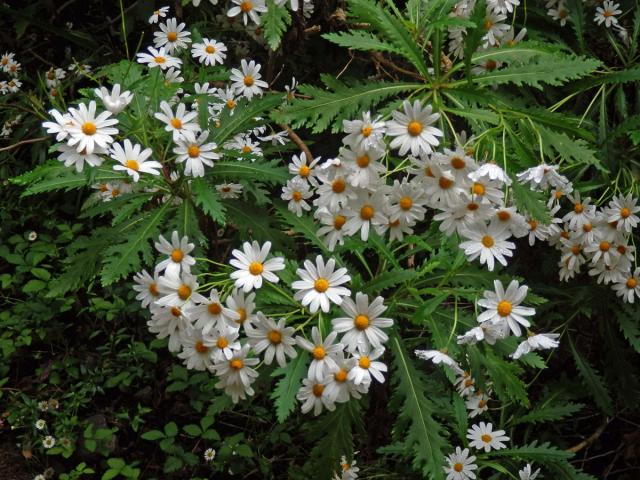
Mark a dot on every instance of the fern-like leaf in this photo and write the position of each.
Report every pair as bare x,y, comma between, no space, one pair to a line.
285,392
275,22
549,413
258,171
206,197
530,201
594,383
243,116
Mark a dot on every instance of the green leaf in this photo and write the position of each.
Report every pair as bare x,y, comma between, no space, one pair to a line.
275,22
553,70
171,429
592,380
327,108
361,40
34,286
206,196
530,201
285,391
152,435
68,179
389,279
193,430
549,413
504,374
422,439
543,453
258,171
303,225
629,322
123,258
243,117
574,150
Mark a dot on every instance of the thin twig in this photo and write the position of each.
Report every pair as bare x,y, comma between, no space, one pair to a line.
23,142
590,439
379,58
298,141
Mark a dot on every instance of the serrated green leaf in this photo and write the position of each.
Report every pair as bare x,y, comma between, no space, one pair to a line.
543,453
628,320
530,201
303,225
592,380
505,376
275,22
549,413
243,117
574,150
206,196
258,171
284,394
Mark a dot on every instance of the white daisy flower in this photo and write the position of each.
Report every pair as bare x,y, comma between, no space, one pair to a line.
244,306
441,188
437,357
313,396
541,341
173,75
622,210
296,192
195,153
209,52
252,266
582,212
197,350
213,313
90,131
482,437
227,97
40,424
172,36
331,228
362,327
339,388
48,442
70,156
147,287
180,123
157,14
53,77
367,367
209,455
236,374
607,13
503,6
465,384
527,474
490,333
60,126
304,169
364,212
460,465
133,160
158,58
322,352
490,171
178,290
245,145
510,38
247,81
489,243
412,131
407,200
477,404
504,306
178,254
628,287
457,162
114,101
397,228
494,27
349,470
508,218
333,194
274,339
226,342
229,190
542,176
321,284
610,273
250,9
365,134
364,168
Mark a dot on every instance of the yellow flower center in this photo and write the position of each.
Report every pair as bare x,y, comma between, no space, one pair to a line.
115,192
605,246
304,171
274,336
132,164
625,212
176,312
458,467
486,438
482,403
317,389
172,36
200,347
366,131
246,6
319,352
246,149
236,364
159,60
361,322
445,183
231,104
414,128
532,224
340,375
490,65
176,123
458,163
338,185
256,268
177,255
622,249
364,362
487,241
479,189
578,208
214,308
222,343
632,283
367,212
558,194
210,49
339,221
406,203
504,308
243,315
184,292
487,24
89,128
587,227
575,249
296,196
321,285
193,151
248,81
503,215
363,161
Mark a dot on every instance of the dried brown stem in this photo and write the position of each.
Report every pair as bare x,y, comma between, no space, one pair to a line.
298,141
23,142
588,441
